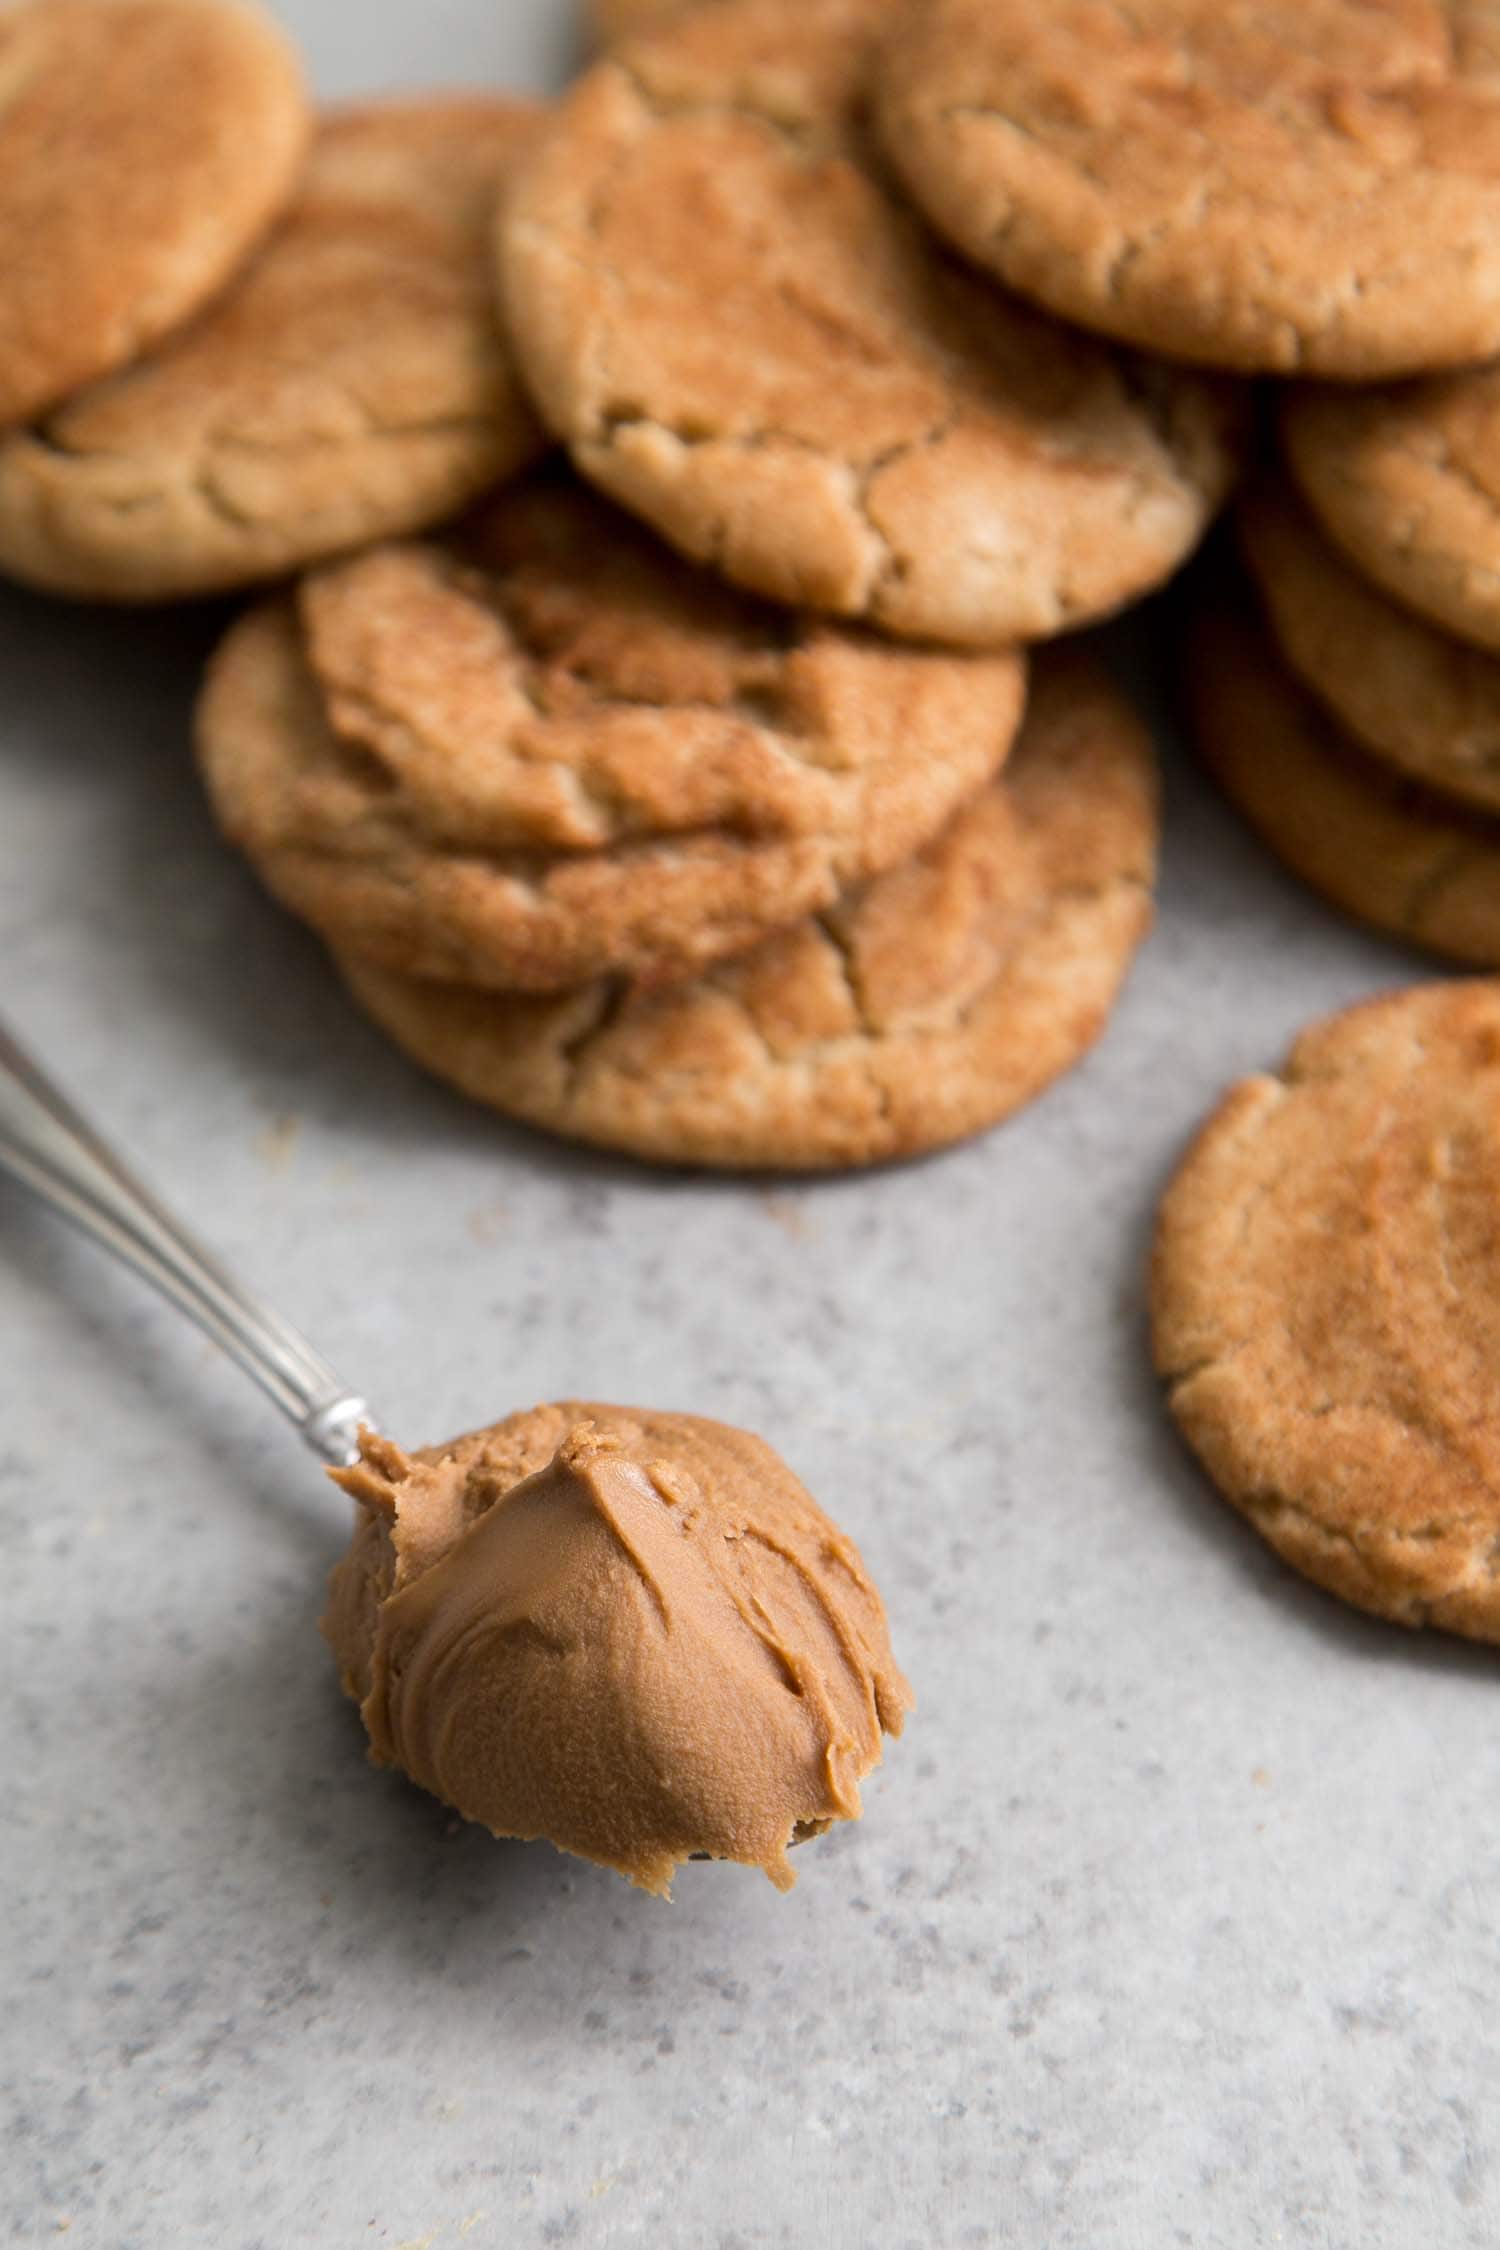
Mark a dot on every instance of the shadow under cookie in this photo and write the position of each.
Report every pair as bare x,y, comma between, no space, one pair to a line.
935,1002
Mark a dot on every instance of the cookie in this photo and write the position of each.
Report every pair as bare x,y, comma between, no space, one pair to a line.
564,752
620,19
1327,1309
145,145
1310,189
353,384
1393,854
944,996
741,333
1411,695
1406,479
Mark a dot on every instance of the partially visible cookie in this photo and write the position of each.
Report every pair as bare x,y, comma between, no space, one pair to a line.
1326,1299
354,383
1406,478
1384,849
932,1004
741,333
144,146
1412,695
621,19
563,752
1282,189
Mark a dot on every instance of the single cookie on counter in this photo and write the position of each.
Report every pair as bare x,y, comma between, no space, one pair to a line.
353,384
742,334
1411,695
633,1634
1416,864
1309,189
1326,1305
558,751
929,1006
1406,479
145,145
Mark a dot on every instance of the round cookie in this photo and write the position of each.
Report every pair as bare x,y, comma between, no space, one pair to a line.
144,146
565,753
742,334
941,998
1326,1300
1386,850
1406,479
1309,188
352,385
1413,696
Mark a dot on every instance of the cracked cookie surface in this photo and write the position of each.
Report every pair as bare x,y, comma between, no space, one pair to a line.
1409,693
1406,479
1387,850
928,1006
560,751
742,333
144,146
1326,1310
1303,186
354,383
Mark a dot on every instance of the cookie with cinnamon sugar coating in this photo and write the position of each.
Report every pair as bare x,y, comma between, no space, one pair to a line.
742,332
1325,1306
929,1005
145,145
555,751
354,382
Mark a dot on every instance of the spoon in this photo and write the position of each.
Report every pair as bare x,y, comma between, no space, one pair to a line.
48,1147
753,1815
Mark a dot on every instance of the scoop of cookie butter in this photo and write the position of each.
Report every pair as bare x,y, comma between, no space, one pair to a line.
633,1634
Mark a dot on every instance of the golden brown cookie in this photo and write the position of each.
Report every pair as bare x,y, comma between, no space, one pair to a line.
742,334
1326,1296
1399,856
1411,695
568,753
1308,187
621,19
930,1005
635,1634
1406,478
353,385
144,146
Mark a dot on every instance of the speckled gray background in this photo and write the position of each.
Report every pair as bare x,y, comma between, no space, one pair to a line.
1172,1921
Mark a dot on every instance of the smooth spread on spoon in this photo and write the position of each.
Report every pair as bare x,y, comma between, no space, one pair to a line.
631,1633
634,1634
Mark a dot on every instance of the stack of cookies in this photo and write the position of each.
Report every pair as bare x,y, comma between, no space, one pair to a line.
1352,708
704,825
235,338
629,854
678,798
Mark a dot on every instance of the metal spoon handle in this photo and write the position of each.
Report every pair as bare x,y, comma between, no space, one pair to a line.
46,1145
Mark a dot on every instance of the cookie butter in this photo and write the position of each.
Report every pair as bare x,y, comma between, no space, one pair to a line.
633,1634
